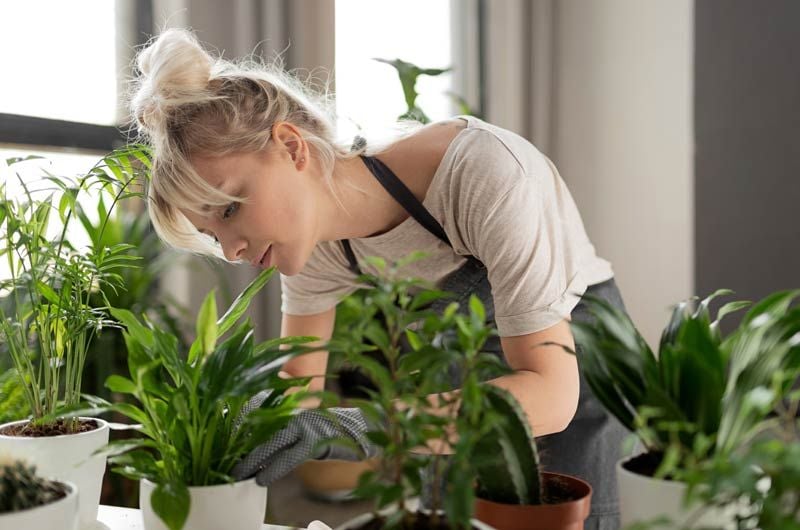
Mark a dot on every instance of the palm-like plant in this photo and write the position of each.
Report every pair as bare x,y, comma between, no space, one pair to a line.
700,395
46,320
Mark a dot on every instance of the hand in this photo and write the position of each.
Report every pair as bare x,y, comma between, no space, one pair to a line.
304,438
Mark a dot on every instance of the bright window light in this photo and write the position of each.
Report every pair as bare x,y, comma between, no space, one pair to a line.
59,60
32,172
368,93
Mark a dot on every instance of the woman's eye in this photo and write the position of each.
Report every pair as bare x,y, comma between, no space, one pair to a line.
230,210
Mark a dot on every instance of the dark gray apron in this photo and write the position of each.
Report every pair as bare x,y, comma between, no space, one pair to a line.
591,445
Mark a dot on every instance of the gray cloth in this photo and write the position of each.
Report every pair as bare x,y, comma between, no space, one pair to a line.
304,438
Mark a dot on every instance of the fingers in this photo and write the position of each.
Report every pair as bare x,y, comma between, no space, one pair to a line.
260,456
282,463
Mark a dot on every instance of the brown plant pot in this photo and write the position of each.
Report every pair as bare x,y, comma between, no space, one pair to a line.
332,480
569,515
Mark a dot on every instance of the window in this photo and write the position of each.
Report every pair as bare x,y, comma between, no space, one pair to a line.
62,66
60,98
59,60
368,93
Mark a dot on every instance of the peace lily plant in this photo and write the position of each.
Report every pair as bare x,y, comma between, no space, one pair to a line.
194,418
46,321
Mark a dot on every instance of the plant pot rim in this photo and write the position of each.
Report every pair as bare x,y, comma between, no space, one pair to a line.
238,483
101,426
72,491
549,475
623,471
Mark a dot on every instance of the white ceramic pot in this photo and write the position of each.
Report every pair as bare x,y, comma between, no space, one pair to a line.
67,458
644,499
62,514
364,518
238,506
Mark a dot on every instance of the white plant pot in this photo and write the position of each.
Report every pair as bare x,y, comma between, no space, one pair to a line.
62,514
67,458
644,499
238,506
364,518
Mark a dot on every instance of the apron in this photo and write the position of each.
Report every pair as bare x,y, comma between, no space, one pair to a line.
590,446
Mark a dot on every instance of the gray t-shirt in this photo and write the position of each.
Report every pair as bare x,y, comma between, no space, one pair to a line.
498,199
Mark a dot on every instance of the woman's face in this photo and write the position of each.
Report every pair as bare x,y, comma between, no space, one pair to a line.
277,225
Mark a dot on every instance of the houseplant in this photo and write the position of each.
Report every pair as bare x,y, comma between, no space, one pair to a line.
692,402
512,492
46,323
765,469
413,417
29,501
194,415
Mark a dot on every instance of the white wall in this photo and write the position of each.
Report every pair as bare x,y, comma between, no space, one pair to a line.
622,138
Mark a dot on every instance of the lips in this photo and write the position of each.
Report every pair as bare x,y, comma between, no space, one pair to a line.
265,259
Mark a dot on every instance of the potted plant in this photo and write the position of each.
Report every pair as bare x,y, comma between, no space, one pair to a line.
30,501
513,493
765,469
414,420
691,403
46,323
194,416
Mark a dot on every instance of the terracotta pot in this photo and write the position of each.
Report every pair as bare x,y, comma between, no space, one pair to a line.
238,506
332,480
568,515
361,520
62,514
67,458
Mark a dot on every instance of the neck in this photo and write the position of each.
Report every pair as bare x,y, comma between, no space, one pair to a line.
368,208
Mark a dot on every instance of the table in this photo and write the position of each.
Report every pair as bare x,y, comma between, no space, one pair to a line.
116,518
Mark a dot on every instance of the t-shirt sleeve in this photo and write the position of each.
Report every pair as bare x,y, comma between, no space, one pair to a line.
322,283
516,232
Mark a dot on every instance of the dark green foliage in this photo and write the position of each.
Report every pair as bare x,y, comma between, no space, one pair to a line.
191,403
700,395
408,389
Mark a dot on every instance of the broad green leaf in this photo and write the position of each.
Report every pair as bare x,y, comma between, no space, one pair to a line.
171,503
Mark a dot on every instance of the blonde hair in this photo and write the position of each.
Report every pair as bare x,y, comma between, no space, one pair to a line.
187,102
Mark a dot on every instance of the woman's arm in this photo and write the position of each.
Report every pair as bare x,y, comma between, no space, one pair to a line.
315,364
545,379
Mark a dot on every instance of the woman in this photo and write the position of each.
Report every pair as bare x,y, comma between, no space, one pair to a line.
247,168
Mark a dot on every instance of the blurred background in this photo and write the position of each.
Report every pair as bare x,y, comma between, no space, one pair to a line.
674,122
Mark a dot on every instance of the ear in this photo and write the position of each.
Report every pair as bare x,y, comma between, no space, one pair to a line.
289,140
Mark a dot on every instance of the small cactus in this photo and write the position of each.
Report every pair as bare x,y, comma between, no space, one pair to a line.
512,476
21,489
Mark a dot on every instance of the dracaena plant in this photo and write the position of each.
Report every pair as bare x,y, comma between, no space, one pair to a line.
193,406
764,470
410,402
698,397
46,320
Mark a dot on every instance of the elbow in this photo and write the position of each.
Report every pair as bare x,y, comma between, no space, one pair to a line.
569,399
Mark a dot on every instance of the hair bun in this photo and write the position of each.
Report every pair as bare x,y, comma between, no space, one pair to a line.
174,70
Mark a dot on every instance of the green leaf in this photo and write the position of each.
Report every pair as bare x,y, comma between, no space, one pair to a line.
123,385
171,503
206,329
239,306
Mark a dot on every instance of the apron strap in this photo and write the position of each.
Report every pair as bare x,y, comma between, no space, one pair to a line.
400,192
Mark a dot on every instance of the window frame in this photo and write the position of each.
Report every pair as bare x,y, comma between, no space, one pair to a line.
31,131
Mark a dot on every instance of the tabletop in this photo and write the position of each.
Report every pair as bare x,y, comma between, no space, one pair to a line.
116,518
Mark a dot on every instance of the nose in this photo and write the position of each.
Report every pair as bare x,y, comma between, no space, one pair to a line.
233,247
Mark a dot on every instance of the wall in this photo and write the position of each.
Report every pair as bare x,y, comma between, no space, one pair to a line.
622,139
